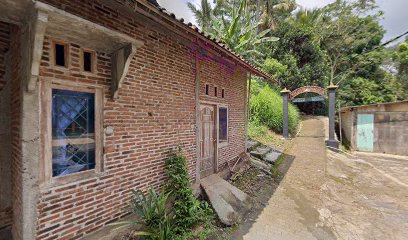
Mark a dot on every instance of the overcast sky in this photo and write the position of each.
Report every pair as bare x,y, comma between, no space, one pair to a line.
395,19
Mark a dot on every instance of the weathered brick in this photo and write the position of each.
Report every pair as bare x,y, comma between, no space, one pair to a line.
155,111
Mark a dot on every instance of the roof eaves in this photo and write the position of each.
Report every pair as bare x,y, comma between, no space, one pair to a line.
216,42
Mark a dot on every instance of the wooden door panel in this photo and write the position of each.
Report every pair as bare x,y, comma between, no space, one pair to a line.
207,139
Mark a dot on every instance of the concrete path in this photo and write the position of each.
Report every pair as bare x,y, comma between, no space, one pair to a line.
293,210
327,195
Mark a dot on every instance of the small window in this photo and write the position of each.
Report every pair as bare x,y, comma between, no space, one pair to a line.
223,93
215,91
87,61
207,89
60,54
73,132
223,124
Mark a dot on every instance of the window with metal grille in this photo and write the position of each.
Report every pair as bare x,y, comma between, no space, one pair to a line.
73,132
223,124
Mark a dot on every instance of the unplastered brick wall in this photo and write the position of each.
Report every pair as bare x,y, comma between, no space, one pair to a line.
4,47
154,113
232,78
15,122
5,176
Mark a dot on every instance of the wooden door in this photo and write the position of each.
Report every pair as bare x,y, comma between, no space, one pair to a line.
365,132
207,141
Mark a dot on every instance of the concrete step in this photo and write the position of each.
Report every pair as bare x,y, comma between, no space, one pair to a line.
260,151
266,154
260,164
272,156
252,145
228,202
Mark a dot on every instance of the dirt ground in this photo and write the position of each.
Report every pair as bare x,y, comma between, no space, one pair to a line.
366,196
326,195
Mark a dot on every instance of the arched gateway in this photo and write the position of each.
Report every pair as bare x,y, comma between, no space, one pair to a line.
308,89
330,93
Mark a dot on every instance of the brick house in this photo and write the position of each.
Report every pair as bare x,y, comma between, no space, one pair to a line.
93,96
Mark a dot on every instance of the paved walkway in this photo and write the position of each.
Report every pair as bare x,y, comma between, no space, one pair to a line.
292,212
326,195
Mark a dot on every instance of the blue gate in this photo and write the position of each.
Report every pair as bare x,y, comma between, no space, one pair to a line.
365,132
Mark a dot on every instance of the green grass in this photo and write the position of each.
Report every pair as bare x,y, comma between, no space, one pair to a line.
266,109
275,168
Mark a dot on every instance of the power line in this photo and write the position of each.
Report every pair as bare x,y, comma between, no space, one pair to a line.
394,39
375,48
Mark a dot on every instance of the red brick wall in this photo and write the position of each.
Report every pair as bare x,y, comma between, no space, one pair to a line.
233,80
5,210
16,167
155,112
4,46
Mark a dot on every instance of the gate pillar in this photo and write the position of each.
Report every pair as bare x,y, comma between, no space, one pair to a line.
285,132
332,142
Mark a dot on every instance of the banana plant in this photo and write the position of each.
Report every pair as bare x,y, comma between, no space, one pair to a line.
240,33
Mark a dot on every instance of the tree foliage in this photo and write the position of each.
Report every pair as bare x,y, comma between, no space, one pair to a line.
362,91
240,33
339,44
400,57
305,61
202,14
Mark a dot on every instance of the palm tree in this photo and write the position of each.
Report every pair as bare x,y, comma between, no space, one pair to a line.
202,14
270,10
307,17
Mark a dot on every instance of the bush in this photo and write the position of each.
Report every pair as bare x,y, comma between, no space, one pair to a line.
255,129
151,209
266,108
187,209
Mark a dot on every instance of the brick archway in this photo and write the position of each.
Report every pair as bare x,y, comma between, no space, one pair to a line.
306,89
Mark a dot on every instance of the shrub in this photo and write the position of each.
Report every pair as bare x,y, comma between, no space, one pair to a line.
266,107
151,209
187,209
255,129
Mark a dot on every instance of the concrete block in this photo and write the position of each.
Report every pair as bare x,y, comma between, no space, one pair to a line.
228,202
261,151
272,156
252,145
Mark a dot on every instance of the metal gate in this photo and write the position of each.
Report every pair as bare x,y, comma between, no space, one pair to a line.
365,132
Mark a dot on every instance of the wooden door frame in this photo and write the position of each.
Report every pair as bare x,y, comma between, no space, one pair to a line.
215,106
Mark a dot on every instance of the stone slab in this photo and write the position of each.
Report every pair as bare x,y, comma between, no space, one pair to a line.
272,156
252,144
228,201
261,151
260,164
